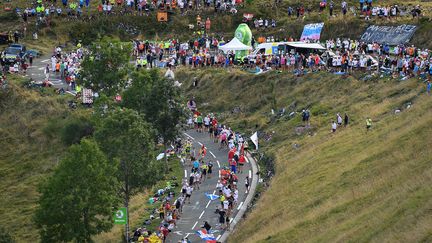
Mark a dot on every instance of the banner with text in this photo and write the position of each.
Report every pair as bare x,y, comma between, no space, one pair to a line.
120,216
312,31
391,35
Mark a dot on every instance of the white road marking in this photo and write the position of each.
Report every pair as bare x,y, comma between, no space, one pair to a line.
246,191
238,208
185,173
187,235
214,156
214,192
208,203
194,225
172,146
219,174
218,163
219,236
247,160
231,219
250,174
46,60
201,214
189,136
199,143
41,68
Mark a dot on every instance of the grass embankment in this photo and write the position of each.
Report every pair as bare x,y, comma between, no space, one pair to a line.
35,130
350,186
28,153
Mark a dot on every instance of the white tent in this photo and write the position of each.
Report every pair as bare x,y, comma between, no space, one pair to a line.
234,45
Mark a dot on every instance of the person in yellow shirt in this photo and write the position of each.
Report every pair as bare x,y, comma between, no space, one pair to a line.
222,199
141,238
154,238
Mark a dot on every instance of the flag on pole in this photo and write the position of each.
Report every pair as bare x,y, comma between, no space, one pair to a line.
209,238
254,139
212,196
120,216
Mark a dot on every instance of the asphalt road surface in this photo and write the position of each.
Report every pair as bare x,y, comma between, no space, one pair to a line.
201,207
36,72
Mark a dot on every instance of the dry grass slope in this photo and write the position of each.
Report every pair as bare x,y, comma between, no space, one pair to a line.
350,186
31,146
28,152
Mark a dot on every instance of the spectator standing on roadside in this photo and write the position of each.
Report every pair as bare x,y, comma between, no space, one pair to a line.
368,124
331,6
346,120
47,72
247,183
344,7
31,60
428,87
290,11
333,126
207,24
339,119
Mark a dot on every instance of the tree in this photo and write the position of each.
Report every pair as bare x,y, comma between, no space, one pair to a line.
105,69
78,200
159,100
124,136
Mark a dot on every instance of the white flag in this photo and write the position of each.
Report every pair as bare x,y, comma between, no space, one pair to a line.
254,139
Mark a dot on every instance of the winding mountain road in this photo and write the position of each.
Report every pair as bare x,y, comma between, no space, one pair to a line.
201,207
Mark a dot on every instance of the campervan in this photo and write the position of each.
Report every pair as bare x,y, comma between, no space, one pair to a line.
274,48
269,48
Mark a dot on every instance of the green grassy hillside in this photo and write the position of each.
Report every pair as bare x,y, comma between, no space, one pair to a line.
35,130
30,147
350,186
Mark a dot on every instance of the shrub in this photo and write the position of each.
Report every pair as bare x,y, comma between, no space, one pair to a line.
5,237
76,129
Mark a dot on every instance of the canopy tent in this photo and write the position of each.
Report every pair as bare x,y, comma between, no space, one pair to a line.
234,45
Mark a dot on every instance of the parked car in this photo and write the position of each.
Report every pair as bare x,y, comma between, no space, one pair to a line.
15,52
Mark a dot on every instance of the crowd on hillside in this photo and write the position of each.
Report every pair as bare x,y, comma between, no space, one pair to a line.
76,8
61,66
366,8
341,56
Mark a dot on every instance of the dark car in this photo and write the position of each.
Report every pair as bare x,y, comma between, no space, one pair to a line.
15,52
21,47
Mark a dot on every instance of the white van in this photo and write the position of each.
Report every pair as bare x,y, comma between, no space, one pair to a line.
269,48
273,48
